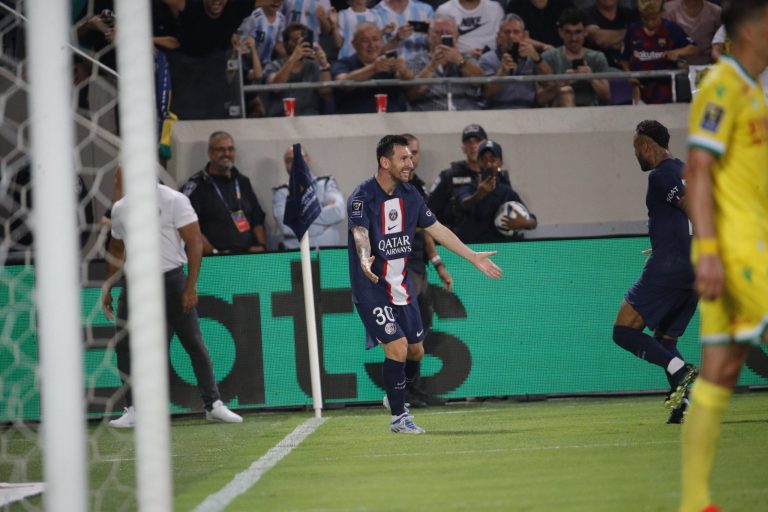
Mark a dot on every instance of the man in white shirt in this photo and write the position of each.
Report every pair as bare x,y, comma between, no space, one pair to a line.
180,242
325,231
478,23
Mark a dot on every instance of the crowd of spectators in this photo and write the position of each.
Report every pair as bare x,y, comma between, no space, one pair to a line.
292,41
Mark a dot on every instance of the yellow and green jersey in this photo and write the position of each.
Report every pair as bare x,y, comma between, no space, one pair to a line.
729,118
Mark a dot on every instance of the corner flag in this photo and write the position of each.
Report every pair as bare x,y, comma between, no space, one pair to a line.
302,206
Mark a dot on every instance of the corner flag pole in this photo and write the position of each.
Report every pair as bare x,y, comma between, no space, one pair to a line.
309,309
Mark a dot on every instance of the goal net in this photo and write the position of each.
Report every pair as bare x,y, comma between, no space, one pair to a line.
41,437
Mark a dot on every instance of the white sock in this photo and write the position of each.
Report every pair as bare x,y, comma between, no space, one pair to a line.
674,365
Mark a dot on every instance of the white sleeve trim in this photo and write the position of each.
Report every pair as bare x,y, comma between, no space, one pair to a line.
707,143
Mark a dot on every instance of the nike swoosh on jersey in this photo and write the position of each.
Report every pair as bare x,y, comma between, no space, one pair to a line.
390,228
467,31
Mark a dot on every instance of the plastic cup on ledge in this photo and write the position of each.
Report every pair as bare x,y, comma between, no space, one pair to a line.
289,105
381,103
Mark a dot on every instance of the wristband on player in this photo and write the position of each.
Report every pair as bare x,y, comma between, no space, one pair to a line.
436,260
707,246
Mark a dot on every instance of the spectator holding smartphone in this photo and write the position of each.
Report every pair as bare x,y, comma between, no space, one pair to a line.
515,55
402,22
305,63
572,57
478,22
369,63
444,59
481,197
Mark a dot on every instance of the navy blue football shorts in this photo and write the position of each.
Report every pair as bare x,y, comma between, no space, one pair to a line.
385,322
663,308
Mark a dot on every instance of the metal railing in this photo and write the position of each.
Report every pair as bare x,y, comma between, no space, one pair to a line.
672,74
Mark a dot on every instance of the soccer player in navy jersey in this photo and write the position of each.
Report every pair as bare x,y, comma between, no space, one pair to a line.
663,299
384,212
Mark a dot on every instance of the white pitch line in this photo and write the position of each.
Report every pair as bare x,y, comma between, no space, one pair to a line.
245,480
507,450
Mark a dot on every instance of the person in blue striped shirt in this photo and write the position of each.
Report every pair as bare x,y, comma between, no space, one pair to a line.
265,25
394,16
348,20
310,13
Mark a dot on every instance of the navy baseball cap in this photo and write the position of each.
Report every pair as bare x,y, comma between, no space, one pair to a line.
492,146
473,130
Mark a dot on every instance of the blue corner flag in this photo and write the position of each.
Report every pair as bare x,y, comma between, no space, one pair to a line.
302,206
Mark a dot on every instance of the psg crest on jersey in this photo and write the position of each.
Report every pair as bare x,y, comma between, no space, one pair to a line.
393,215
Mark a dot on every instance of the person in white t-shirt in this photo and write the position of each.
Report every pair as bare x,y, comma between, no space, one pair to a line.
478,23
180,242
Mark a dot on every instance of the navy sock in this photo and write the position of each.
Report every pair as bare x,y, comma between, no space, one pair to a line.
642,345
411,371
394,384
671,346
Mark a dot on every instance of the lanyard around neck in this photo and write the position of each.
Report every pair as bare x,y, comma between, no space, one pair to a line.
221,196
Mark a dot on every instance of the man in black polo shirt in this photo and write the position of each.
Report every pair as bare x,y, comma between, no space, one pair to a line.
230,216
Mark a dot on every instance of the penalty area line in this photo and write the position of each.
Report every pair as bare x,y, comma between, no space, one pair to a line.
246,479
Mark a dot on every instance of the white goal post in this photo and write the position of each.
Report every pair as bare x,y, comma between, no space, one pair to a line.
65,442
56,257
146,305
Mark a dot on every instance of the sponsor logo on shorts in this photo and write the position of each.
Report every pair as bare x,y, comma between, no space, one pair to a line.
390,328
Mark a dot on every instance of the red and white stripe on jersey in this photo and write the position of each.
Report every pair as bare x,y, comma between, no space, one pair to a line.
394,275
392,216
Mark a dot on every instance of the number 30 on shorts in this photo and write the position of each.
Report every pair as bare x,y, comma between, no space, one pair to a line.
383,315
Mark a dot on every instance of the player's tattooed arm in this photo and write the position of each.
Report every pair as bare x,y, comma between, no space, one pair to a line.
363,247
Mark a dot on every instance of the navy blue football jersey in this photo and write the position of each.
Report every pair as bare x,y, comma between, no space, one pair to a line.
668,227
391,222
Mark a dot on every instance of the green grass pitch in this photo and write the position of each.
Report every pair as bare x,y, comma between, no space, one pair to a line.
589,454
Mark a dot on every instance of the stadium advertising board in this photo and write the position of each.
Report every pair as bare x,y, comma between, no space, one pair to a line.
543,329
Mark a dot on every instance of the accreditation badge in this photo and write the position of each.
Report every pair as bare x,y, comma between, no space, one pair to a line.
241,221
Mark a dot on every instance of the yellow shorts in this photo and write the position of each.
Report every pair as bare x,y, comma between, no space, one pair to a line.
740,314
